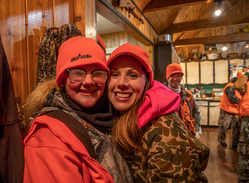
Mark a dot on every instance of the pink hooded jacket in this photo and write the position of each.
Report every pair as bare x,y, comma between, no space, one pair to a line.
159,100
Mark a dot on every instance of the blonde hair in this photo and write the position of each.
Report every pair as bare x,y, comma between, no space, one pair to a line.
35,100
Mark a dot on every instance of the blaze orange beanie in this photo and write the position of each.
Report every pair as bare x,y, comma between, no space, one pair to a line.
77,52
173,69
135,51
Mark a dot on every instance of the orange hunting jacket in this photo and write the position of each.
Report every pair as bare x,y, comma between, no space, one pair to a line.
228,106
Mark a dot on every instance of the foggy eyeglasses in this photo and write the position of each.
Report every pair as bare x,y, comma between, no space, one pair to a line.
79,75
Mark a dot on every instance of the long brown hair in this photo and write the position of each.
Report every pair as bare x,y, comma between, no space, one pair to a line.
126,135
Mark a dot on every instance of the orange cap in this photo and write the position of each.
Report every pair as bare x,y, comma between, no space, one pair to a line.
239,74
173,69
135,51
77,52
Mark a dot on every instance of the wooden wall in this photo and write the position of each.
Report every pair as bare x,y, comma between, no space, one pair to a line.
22,26
114,40
144,27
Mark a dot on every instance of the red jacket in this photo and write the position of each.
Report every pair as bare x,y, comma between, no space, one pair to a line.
54,154
228,106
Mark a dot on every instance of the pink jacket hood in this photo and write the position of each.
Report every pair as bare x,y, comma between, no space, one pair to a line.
159,100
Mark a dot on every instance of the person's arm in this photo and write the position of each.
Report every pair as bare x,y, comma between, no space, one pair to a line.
196,115
230,92
240,84
166,154
48,159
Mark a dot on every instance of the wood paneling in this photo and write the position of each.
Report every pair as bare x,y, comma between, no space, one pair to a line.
120,17
159,4
40,17
114,40
22,26
79,15
13,33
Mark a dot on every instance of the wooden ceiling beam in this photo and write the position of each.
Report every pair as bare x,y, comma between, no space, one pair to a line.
155,5
213,40
207,23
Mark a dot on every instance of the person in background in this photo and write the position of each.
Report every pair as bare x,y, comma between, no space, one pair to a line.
229,113
189,110
57,147
148,133
242,85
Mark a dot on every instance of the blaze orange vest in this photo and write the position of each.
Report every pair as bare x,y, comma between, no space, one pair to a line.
244,103
186,113
228,106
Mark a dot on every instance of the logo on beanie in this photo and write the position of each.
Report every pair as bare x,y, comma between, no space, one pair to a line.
80,56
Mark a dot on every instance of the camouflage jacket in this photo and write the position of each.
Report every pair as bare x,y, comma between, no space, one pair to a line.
169,153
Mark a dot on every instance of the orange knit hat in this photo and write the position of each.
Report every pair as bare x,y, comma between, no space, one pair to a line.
239,74
173,69
77,52
135,51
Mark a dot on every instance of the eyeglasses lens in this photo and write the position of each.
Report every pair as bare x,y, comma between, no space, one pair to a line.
79,75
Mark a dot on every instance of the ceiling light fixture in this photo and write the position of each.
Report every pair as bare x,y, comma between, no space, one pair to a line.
219,10
247,44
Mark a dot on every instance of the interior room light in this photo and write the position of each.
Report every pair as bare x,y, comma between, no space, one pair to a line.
224,48
247,44
218,12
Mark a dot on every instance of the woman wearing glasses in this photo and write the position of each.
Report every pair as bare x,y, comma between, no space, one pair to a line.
57,148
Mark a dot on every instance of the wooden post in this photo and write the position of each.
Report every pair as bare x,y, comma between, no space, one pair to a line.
27,44
53,13
85,17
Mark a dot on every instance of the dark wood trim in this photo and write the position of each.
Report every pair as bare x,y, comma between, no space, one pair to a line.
214,39
143,16
207,23
156,5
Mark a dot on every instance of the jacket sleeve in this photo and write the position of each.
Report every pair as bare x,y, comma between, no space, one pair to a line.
196,115
167,154
48,159
230,92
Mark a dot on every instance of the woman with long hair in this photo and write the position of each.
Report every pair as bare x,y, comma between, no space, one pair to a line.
148,133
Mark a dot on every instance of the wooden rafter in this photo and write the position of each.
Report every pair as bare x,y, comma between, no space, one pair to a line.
207,23
155,5
213,40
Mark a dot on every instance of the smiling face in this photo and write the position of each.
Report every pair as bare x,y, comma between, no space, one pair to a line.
175,80
86,93
126,83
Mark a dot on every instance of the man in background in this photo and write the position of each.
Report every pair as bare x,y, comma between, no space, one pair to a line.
189,110
229,113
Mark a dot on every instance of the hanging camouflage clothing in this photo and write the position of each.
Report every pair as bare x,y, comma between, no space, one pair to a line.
49,46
